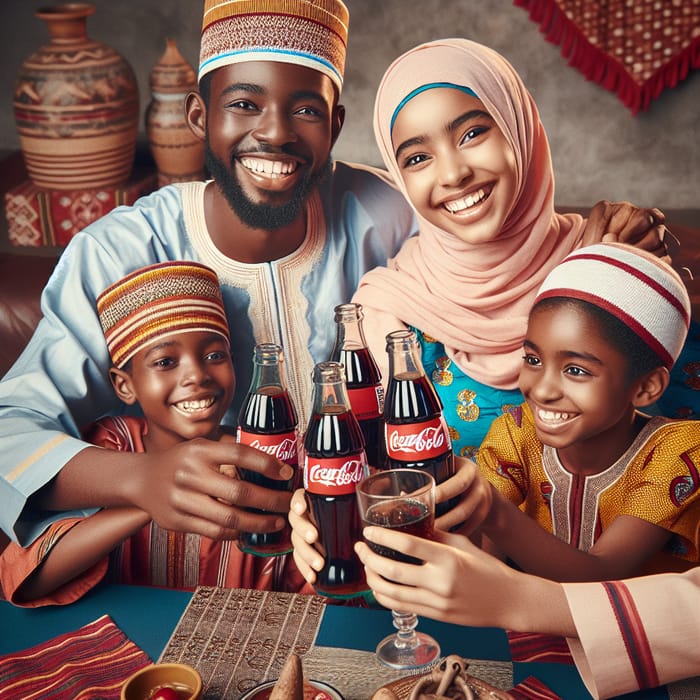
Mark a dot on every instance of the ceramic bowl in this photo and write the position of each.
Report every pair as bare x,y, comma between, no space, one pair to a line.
181,678
313,690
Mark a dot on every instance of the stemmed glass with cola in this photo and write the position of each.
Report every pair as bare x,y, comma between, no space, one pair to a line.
404,500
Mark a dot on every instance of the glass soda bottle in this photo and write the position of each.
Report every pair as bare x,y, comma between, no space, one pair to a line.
363,380
268,421
334,463
416,432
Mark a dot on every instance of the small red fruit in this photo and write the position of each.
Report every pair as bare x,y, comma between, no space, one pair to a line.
165,694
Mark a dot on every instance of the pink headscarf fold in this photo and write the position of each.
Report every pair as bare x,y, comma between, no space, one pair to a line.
474,298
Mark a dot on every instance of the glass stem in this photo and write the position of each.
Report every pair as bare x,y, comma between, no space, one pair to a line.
405,624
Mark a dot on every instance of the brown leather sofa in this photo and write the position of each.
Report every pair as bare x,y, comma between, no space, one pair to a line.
22,277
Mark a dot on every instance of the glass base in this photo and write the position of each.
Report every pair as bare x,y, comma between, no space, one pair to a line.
264,553
342,595
422,651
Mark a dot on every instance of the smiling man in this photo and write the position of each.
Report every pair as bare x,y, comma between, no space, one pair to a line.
288,231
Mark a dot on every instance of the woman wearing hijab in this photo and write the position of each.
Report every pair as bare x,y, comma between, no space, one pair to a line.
461,136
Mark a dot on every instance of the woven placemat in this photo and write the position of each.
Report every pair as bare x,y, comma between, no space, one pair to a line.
688,689
358,674
237,638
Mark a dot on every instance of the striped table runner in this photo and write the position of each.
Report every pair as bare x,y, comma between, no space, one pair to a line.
91,662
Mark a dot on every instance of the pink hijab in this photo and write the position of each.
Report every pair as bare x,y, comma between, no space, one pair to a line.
473,298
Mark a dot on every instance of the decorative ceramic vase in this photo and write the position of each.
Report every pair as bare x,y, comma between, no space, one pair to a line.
178,153
76,107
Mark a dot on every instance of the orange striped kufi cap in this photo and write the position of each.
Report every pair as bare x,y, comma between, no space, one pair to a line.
312,33
159,300
635,286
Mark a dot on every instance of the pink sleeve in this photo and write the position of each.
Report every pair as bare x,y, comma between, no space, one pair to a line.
636,634
17,563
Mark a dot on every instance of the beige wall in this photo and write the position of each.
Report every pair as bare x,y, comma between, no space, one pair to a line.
599,149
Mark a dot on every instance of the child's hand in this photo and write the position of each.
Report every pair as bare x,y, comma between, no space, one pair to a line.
185,490
475,498
456,582
461,584
304,537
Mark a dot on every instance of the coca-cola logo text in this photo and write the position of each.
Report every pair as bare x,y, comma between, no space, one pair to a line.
335,475
350,473
285,451
415,442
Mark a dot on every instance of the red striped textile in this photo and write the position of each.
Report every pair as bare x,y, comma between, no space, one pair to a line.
532,689
91,662
543,648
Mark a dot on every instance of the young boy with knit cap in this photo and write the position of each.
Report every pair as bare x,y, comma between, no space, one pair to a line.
586,486
580,457
169,343
289,233
604,491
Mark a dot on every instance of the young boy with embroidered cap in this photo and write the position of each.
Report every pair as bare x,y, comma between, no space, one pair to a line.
169,342
586,486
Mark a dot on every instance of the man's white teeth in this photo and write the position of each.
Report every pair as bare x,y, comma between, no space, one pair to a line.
552,416
465,202
274,168
192,406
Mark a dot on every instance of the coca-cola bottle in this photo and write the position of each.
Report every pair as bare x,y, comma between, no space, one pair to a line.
334,463
416,432
268,421
362,378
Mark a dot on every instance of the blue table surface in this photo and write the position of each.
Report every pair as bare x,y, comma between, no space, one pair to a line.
148,616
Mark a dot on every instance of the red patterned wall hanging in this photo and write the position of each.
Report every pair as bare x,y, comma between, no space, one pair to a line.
635,48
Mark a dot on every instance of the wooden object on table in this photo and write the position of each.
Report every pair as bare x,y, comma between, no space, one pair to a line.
447,681
290,684
237,638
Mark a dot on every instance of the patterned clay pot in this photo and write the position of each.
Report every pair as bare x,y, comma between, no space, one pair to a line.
76,107
178,153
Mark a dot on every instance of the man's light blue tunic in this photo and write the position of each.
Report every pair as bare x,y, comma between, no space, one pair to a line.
60,383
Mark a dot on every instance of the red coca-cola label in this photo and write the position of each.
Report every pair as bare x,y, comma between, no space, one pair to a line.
283,446
411,442
336,476
367,401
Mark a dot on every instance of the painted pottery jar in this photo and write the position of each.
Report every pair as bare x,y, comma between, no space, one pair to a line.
76,107
178,153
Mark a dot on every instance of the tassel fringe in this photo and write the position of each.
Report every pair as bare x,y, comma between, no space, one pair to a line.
600,67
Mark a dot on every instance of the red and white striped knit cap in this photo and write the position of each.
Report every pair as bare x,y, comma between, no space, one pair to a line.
638,288
159,300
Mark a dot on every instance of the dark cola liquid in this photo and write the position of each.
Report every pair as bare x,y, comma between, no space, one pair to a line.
363,381
411,399
407,515
337,518
268,412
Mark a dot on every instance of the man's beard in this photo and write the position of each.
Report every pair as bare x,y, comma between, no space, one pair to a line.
267,217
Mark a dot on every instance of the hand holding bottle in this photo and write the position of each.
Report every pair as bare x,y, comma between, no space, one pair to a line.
334,463
268,422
